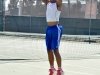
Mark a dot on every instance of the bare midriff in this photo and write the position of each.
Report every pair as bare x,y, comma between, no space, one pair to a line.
52,23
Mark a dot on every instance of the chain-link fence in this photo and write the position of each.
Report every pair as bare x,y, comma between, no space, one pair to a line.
70,9
77,16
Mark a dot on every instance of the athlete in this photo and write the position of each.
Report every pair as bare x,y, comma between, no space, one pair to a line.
53,35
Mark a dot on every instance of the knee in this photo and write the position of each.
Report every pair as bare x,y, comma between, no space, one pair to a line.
49,52
56,52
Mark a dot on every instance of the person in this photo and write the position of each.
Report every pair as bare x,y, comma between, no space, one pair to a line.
53,34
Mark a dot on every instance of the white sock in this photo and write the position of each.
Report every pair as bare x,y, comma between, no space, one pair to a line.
59,68
52,67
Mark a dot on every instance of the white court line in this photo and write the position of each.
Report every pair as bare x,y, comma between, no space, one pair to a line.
82,66
65,71
9,57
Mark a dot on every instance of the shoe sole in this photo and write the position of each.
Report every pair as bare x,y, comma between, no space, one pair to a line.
61,74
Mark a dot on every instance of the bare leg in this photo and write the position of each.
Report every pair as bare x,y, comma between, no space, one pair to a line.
58,58
51,58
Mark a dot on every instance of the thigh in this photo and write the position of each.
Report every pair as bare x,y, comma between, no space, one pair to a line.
56,37
48,39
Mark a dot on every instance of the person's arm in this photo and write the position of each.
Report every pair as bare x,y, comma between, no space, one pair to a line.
45,1
59,3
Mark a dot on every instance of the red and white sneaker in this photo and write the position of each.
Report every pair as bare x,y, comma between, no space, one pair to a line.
53,71
60,72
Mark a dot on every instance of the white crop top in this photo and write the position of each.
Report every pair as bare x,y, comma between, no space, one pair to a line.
52,13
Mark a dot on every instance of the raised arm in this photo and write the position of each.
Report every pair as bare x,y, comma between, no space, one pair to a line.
45,1
59,3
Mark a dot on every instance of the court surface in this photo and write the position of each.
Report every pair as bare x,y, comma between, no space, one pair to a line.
36,67
78,58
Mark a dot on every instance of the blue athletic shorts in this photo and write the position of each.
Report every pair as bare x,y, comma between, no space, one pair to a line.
53,36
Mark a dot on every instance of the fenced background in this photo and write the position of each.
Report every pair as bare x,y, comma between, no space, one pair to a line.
25,53
78,17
